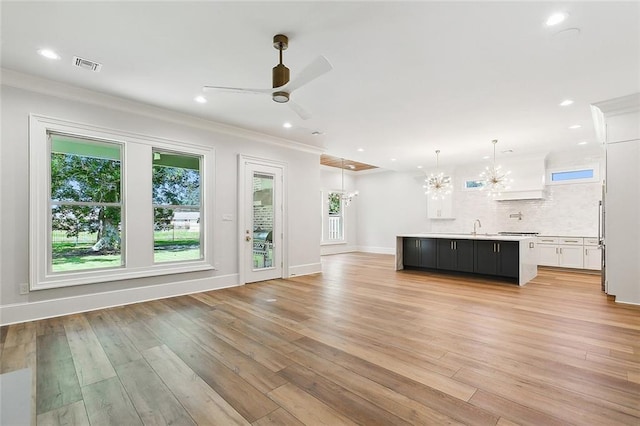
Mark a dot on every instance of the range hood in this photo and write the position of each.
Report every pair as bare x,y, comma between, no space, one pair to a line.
528,179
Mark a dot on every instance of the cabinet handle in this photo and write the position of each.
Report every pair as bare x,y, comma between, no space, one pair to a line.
560,250
570,241
494,247
417,243
586,252
556,250
498,247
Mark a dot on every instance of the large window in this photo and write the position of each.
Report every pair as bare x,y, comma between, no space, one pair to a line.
85,204
110,205
176,206
585,174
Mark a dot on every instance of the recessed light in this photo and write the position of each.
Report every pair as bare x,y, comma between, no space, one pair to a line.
360,150
287,125
583,143
351,166
49,54
419,167
200,99
575,126
486,157
555,19
566,102
393,159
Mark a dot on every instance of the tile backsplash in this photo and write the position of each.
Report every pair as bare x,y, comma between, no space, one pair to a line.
568,210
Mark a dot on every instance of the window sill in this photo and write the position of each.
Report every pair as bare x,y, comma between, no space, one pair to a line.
59,280
333,243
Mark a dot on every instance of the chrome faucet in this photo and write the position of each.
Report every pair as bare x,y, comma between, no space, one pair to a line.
477,221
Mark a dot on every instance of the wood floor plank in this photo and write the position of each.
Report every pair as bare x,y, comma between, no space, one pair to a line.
306,408
57,382
279,417
73,414
243,397
388,389
115,343
91,362
202,402
153,401
107,403
20,334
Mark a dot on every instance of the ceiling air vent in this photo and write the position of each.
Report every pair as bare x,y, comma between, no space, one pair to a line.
86,64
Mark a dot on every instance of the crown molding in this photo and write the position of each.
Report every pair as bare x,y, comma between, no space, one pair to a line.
65,91
621,105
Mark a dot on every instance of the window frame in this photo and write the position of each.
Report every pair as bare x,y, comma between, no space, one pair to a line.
326,216
592,166
51,203
137,262
155,150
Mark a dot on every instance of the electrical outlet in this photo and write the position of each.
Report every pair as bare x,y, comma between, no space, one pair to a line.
24,288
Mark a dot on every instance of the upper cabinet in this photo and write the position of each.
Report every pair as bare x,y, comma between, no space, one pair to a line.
440,208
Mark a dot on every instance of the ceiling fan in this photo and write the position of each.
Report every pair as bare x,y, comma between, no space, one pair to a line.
282,87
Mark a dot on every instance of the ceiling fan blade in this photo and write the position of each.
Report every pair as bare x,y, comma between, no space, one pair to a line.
315,69
238,90
302,113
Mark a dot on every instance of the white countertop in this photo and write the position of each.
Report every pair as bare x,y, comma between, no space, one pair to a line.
478,236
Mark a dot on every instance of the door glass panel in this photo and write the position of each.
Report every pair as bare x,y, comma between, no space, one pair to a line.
263,220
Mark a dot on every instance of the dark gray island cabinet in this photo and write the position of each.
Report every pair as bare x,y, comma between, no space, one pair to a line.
512,257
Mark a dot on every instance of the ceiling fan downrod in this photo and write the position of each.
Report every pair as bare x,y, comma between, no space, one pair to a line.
280,74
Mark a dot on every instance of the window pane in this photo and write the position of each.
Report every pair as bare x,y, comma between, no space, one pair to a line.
572,175
335,216
263,219
85,171
85,237
176,235
176,179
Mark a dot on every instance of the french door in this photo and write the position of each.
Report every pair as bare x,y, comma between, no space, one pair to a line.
261,213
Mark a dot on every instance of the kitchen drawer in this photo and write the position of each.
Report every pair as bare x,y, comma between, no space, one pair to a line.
571,241
548,240
591,242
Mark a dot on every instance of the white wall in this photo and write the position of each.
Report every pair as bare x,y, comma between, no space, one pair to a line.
331,180
389,204
302,169
392,203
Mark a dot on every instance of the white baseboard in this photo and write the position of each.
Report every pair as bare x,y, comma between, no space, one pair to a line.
310,268
336,249
22,312
379,250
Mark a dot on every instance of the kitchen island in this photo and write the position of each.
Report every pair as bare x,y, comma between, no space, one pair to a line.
507,257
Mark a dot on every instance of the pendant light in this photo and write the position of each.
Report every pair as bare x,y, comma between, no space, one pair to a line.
345,196
494,179
437,184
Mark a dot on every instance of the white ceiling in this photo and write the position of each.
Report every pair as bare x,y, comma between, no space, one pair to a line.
407,78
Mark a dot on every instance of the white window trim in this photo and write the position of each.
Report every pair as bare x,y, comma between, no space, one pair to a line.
594,166
39,162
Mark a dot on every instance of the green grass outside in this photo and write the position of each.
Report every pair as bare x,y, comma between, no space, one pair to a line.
169,246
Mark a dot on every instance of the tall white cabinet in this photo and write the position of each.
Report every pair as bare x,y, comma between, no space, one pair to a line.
618,125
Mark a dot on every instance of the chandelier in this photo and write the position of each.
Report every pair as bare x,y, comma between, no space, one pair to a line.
437,184
346,197
494,179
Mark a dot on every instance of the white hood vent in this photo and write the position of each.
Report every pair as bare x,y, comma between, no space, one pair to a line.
86,64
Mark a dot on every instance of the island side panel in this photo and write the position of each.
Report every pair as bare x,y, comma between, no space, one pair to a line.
399,260
528,261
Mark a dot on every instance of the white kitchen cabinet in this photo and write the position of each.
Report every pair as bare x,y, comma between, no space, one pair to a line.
592,254
440,208
564,252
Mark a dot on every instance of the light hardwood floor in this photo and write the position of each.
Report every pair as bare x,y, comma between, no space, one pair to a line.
359,344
